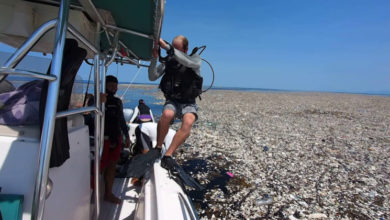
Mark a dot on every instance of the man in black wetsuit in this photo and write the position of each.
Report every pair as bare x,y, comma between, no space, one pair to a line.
114,127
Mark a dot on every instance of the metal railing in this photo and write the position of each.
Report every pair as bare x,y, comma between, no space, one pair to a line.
51,114
52,98
80,37
78,111
18,55
97,129
16,72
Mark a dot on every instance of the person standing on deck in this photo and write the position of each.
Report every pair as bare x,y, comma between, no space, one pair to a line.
142,113
181,84
114,127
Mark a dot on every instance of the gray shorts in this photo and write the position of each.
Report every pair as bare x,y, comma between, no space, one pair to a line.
181,109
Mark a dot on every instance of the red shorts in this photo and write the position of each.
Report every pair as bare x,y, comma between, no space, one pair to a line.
110,154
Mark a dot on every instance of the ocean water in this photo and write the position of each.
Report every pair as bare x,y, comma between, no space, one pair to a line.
379,93
130,96
133,95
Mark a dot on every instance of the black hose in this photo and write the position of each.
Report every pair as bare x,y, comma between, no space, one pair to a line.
86,60
211,67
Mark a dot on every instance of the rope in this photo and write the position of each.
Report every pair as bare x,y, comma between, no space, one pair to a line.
131,82
117,72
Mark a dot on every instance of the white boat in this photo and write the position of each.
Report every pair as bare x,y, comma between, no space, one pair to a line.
123,31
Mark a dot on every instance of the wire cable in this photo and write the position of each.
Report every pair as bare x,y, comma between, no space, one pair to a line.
89,79
131,82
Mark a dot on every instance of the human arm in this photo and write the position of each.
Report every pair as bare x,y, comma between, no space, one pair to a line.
103,97
155,72
194,62
135,114
151,114
123,125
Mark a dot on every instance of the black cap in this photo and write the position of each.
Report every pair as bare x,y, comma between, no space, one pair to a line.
111,78
141,101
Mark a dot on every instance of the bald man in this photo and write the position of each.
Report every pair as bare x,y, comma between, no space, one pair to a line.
181,84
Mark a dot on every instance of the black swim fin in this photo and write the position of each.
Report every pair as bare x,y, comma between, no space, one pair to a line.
142,162
175,169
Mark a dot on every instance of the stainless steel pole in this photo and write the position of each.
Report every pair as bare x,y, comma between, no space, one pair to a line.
18,55
136,33
28,44
97,126
80,37
77,111
15,72
50,114
103,108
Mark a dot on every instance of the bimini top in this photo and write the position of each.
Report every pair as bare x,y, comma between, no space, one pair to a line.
135,23
138,22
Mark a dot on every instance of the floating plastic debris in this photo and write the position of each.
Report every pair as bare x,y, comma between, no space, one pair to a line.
317,216
331,160
266,200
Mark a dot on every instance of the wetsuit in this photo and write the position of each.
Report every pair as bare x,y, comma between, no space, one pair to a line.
143,112
114,126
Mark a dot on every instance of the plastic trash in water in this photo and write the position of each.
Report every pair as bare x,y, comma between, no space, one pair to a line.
265,148
230,174
266,200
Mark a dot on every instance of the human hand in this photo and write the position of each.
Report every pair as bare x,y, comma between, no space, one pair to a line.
103,97
155,50
127,143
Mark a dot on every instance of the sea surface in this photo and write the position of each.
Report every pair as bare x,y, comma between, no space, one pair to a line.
130,94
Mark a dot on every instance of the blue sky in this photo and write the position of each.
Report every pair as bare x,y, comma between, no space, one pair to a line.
320,45
300,45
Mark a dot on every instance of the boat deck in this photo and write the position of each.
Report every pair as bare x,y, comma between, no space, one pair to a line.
129,194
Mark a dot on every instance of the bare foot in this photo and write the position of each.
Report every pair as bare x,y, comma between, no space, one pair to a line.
113,199
136,182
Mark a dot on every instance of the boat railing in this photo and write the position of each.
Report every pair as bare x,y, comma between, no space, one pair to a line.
18,55
50,112
17,72
52,98
78,111
100,67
